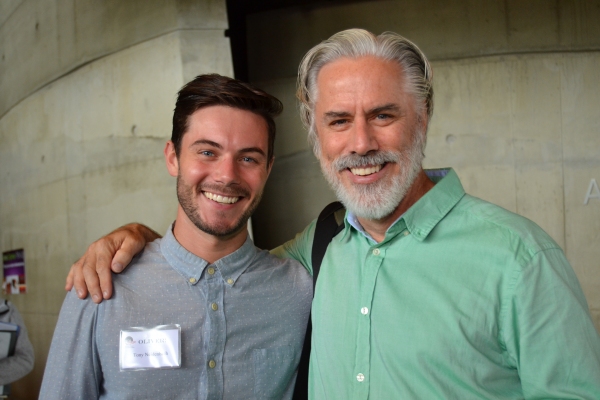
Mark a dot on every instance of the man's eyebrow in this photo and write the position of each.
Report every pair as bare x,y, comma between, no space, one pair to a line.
218,146
252,150
336,114
206,142
374,110
383,108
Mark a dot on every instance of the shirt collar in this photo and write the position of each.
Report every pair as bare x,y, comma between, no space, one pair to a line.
424,215
191,266
355,223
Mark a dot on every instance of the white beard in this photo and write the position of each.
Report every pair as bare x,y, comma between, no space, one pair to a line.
379,199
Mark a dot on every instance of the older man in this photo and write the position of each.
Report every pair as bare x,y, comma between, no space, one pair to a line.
426,292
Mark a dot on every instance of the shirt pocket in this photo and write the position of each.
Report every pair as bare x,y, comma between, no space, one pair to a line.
273,370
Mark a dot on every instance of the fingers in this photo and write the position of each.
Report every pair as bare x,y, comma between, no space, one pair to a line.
101,272
131,239
92,282
129,248
92,272
69,283
75,278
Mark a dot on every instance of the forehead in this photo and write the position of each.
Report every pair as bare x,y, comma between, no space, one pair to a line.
227,125
369,81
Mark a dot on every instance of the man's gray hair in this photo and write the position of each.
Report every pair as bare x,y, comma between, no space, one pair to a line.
354,43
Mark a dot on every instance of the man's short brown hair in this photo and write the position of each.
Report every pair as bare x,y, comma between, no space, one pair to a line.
216,90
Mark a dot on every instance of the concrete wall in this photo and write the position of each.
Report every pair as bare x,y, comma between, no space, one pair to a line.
87,92
516,109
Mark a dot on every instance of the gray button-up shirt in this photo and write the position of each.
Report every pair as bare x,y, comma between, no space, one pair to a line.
242,318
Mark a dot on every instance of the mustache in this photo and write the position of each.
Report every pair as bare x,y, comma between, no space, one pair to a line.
227,190
360,161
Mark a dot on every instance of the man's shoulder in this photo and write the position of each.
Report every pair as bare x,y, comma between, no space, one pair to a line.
148,266
513,226
266,259
283,269
300,247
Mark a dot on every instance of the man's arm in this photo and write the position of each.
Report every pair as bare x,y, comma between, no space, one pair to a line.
73,370
21,363
91,273
548,332
299,248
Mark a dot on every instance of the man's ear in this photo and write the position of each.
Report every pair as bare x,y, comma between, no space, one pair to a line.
171,159
270,166
423,122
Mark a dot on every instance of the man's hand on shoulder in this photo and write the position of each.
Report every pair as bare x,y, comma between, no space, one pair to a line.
91,273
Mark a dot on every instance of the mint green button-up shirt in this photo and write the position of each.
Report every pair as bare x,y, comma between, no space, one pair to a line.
461,300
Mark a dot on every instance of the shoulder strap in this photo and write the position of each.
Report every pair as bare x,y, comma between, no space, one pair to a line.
329,224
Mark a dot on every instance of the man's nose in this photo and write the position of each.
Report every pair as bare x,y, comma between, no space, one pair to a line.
226,171
363,140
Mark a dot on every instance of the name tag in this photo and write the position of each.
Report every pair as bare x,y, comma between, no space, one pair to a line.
142,348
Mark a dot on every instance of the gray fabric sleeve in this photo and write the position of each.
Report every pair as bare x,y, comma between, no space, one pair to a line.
73,370
21,363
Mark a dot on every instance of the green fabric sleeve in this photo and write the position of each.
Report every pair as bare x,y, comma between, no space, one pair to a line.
299,248
546,313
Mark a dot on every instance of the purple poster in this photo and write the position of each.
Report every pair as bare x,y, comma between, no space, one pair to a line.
14,271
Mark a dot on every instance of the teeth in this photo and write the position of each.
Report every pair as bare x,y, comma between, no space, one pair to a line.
221,199
365,171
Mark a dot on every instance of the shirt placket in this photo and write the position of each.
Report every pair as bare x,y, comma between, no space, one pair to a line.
216,331
362,366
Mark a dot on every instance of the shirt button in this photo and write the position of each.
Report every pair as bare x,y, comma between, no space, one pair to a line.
360,377
212,364
230,281
406,233
376,252
192,280
364,310
214,306
211,271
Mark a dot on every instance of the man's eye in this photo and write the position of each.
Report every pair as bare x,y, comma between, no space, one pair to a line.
383,116
338,122
206,153
248,159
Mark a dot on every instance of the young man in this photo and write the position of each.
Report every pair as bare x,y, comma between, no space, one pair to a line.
201,313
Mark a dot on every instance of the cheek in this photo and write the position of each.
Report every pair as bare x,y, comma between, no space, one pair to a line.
331,146
192,173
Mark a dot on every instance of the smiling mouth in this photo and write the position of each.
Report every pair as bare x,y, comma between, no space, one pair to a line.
367,170
220,199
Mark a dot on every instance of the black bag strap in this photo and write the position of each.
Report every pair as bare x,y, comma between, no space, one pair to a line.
329,224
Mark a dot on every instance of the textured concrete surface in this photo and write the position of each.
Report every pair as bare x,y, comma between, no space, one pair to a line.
42,40
444,30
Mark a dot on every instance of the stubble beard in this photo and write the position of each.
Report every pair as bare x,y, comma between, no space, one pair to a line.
379,199
186,196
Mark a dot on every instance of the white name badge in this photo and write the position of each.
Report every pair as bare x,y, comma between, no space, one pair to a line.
143,348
